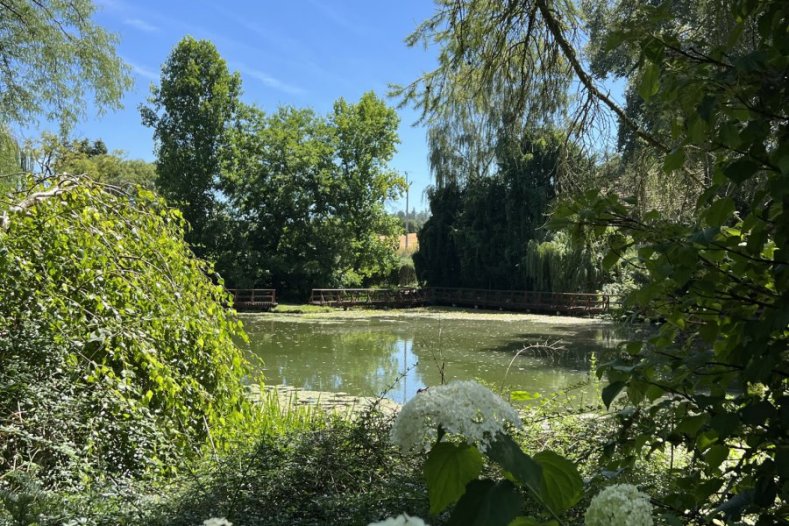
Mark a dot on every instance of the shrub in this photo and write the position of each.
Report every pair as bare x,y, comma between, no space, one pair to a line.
116,354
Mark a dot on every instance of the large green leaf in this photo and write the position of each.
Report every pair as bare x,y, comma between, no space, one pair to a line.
448,469
720,212
650,81
552,479
506,453
487,503
562,486
610,391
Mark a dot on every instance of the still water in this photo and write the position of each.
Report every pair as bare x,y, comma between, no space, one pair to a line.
397,355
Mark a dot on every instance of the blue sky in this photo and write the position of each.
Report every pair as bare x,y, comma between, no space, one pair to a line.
300,53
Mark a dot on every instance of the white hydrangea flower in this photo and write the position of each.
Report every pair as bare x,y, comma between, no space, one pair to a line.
401,520
462,408
216,521
619,505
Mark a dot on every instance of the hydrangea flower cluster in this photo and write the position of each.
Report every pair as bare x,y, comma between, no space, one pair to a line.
401,520
619,505
216,521
462,408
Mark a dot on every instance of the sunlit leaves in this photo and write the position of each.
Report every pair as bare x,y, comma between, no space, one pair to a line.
307,194
53,56
112,309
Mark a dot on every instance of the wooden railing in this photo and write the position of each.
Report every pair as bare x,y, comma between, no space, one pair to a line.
563,302
406,297
253,299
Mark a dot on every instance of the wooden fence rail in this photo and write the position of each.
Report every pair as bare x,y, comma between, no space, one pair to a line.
254,299
406,297
562,302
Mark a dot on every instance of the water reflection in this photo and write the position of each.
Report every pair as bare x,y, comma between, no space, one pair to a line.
399,356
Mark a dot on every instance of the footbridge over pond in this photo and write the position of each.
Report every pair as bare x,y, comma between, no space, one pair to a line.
571,303
253,299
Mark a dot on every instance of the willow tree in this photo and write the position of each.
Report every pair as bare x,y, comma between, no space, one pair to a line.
52,57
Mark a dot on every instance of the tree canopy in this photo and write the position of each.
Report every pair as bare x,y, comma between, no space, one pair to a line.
54,156
306,196
190,113
52,58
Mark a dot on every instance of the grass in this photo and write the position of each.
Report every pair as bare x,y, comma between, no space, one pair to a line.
301,308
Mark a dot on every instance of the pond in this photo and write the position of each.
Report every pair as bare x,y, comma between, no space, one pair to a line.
397,354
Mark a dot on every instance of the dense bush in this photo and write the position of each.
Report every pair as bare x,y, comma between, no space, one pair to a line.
324,471
116,354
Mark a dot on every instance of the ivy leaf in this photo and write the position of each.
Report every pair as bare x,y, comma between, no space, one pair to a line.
448,469
487,503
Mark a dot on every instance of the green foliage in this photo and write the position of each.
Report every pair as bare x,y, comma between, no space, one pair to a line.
714,378
81,157
116,354
485,234
10,162
405,273
449,467
190,113
52,57
452,473
697,205
487,503
338,473
307,197
304,193
560,266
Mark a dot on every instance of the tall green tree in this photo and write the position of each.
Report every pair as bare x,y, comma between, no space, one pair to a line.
52,56
190,112
307,196
484,231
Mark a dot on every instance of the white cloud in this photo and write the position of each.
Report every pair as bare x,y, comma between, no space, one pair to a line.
272,82
140,24
143,71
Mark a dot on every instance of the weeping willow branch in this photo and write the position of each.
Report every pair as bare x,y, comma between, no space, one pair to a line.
553,26
61,187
